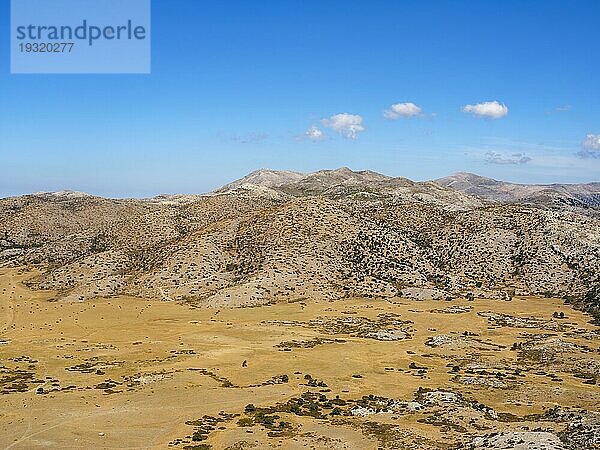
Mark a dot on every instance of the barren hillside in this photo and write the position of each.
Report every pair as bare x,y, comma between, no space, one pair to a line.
331,234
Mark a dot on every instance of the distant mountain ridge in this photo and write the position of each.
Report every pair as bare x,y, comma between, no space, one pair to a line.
345,183
299,182
66,194
582,195
282,184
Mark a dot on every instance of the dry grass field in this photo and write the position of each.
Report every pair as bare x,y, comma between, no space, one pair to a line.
124,372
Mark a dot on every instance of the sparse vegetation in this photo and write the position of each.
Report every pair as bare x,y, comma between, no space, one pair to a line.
324,313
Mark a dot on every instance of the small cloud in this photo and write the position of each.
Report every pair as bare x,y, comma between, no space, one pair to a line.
402,110
348,125
563,108
591,142
253,138
559,109
506,158
314,133
249,138
590,147
491,110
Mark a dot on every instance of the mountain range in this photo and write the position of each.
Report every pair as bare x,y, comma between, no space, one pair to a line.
285,236
581,195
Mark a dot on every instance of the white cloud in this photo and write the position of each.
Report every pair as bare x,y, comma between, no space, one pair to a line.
492,110
506,158
590,147
314,133
591,142
348,125
405,110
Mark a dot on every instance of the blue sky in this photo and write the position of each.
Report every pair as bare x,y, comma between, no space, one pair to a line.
305,85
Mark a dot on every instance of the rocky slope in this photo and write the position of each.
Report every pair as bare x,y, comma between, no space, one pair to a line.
266,178
287,236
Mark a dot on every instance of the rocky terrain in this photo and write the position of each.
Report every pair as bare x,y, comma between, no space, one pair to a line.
278,236
337,309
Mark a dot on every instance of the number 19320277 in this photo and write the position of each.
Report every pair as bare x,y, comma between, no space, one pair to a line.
50,47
